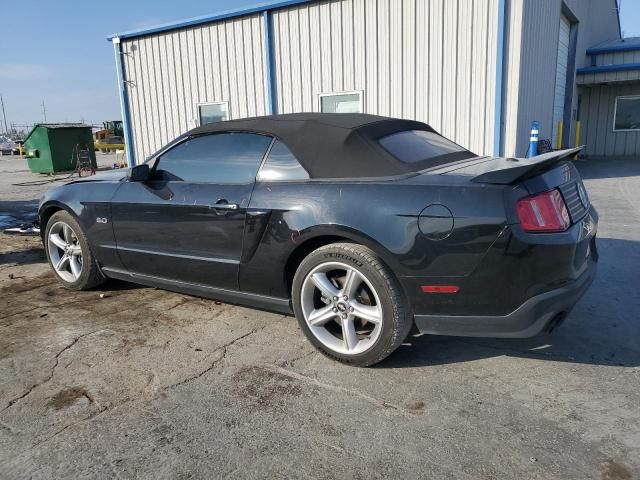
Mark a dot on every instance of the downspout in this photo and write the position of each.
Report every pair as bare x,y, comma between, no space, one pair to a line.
618,15
124,100
500,60
269,63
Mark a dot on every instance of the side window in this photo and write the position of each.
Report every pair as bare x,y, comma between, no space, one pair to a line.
216,158
281,165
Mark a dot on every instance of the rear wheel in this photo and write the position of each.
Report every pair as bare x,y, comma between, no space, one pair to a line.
349,304
69,255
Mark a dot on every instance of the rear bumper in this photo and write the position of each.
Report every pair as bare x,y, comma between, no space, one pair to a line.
532,317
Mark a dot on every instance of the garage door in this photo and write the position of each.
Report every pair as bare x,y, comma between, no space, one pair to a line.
561,76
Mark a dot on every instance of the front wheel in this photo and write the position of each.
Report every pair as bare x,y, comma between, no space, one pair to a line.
349,304
68,253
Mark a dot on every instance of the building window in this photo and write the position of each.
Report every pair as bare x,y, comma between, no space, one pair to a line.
343,102
627,114
213,112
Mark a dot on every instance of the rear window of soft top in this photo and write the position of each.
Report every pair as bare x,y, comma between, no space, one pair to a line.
423,148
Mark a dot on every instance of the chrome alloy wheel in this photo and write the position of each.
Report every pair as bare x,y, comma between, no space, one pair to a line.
341,308
65,252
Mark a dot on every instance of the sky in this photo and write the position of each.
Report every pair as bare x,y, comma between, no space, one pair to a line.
56,52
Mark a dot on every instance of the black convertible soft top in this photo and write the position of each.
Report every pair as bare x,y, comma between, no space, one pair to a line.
331,145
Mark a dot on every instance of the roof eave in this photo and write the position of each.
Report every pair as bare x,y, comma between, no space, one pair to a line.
622,67
613,49
227,14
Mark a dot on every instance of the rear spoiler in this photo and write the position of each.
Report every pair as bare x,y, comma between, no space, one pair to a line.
504,171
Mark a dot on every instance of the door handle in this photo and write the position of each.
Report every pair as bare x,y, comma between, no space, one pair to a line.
222,204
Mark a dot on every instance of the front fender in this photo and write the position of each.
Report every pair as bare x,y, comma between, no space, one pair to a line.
90,205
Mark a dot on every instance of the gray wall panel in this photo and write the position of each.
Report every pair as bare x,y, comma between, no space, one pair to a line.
597,122
534,36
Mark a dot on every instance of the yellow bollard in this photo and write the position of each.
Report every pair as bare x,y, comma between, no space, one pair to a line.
559,142
578,133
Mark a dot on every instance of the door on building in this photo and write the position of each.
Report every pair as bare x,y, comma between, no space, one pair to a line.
562,64
187,222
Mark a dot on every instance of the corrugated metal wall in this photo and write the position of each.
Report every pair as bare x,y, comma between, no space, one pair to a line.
430,60
605,77
511,97
597,110
434,61
169,73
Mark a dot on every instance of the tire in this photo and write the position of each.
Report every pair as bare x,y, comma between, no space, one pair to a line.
80,271
364,293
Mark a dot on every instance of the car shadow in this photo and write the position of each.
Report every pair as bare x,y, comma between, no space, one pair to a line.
602,329
113,285
27,256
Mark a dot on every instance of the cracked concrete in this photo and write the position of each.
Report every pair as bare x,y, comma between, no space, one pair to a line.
151,384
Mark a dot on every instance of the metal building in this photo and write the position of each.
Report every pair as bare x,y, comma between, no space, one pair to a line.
478,71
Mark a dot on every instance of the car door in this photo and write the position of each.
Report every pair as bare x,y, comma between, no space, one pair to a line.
186,222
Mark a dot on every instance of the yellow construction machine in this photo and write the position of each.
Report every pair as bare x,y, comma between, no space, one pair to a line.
111,137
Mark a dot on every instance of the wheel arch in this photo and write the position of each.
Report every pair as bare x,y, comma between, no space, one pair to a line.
47,210
320,236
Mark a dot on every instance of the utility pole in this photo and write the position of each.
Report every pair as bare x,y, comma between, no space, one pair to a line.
4,116
44,112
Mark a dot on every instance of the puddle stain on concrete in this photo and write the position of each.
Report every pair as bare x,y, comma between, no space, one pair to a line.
265,388
612,470
67,397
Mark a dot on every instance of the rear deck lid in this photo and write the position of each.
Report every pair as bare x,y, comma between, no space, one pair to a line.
505,171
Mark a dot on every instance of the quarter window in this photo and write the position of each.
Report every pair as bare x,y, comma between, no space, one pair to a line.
216,158
347,102
213,112
281,165
627,116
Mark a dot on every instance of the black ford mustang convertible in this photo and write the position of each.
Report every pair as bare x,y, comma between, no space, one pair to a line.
362,226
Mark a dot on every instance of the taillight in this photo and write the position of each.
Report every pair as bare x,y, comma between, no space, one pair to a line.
543,212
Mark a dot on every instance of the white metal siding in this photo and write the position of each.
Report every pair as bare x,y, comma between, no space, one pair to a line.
433,61
169,73
561,76
515,37
597,112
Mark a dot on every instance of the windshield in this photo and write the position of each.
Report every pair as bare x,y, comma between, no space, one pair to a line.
424,148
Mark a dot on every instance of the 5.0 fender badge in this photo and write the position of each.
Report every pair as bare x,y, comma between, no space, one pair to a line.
101,220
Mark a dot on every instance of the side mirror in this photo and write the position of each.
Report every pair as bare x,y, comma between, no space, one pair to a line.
139,173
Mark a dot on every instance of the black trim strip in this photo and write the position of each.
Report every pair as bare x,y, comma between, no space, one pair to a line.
263,302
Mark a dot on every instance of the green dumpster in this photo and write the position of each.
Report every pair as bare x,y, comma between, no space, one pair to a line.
51,147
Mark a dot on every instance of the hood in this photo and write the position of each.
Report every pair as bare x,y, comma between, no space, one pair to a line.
114,175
